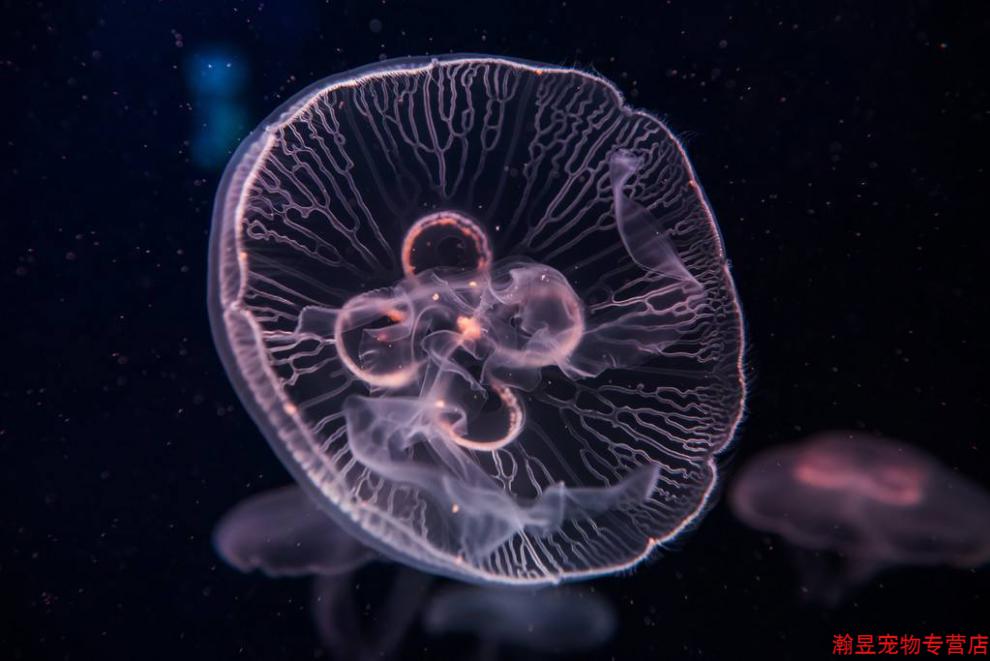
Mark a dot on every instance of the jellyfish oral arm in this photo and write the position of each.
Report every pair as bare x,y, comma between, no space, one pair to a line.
641,233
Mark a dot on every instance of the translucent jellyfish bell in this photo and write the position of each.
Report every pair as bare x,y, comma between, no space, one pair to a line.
557,620
282,533
481,310
877,502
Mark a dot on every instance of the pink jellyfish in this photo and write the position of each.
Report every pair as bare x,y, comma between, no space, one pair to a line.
482,311
556,620
876,502
283,534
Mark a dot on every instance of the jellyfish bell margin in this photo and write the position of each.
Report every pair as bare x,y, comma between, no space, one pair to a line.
480,357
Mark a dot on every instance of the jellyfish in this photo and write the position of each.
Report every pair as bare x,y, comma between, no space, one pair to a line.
481,310
283,534
216,79
875,502
556,620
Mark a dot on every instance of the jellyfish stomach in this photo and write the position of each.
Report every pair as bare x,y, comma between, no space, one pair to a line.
536,317
373,333
481,426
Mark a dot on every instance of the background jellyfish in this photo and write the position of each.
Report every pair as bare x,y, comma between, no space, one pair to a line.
368,620
282,534
560,620
876,502
216,77
481,310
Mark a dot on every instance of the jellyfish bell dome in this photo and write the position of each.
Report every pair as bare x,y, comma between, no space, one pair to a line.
481,310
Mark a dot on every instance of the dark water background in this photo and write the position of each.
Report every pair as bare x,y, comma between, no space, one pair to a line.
842,145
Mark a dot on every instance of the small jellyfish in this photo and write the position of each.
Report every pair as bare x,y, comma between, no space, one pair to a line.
216,78
559,620
282,533
876,502
482,311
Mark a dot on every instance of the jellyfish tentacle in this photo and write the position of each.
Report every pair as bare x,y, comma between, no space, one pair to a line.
641,233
